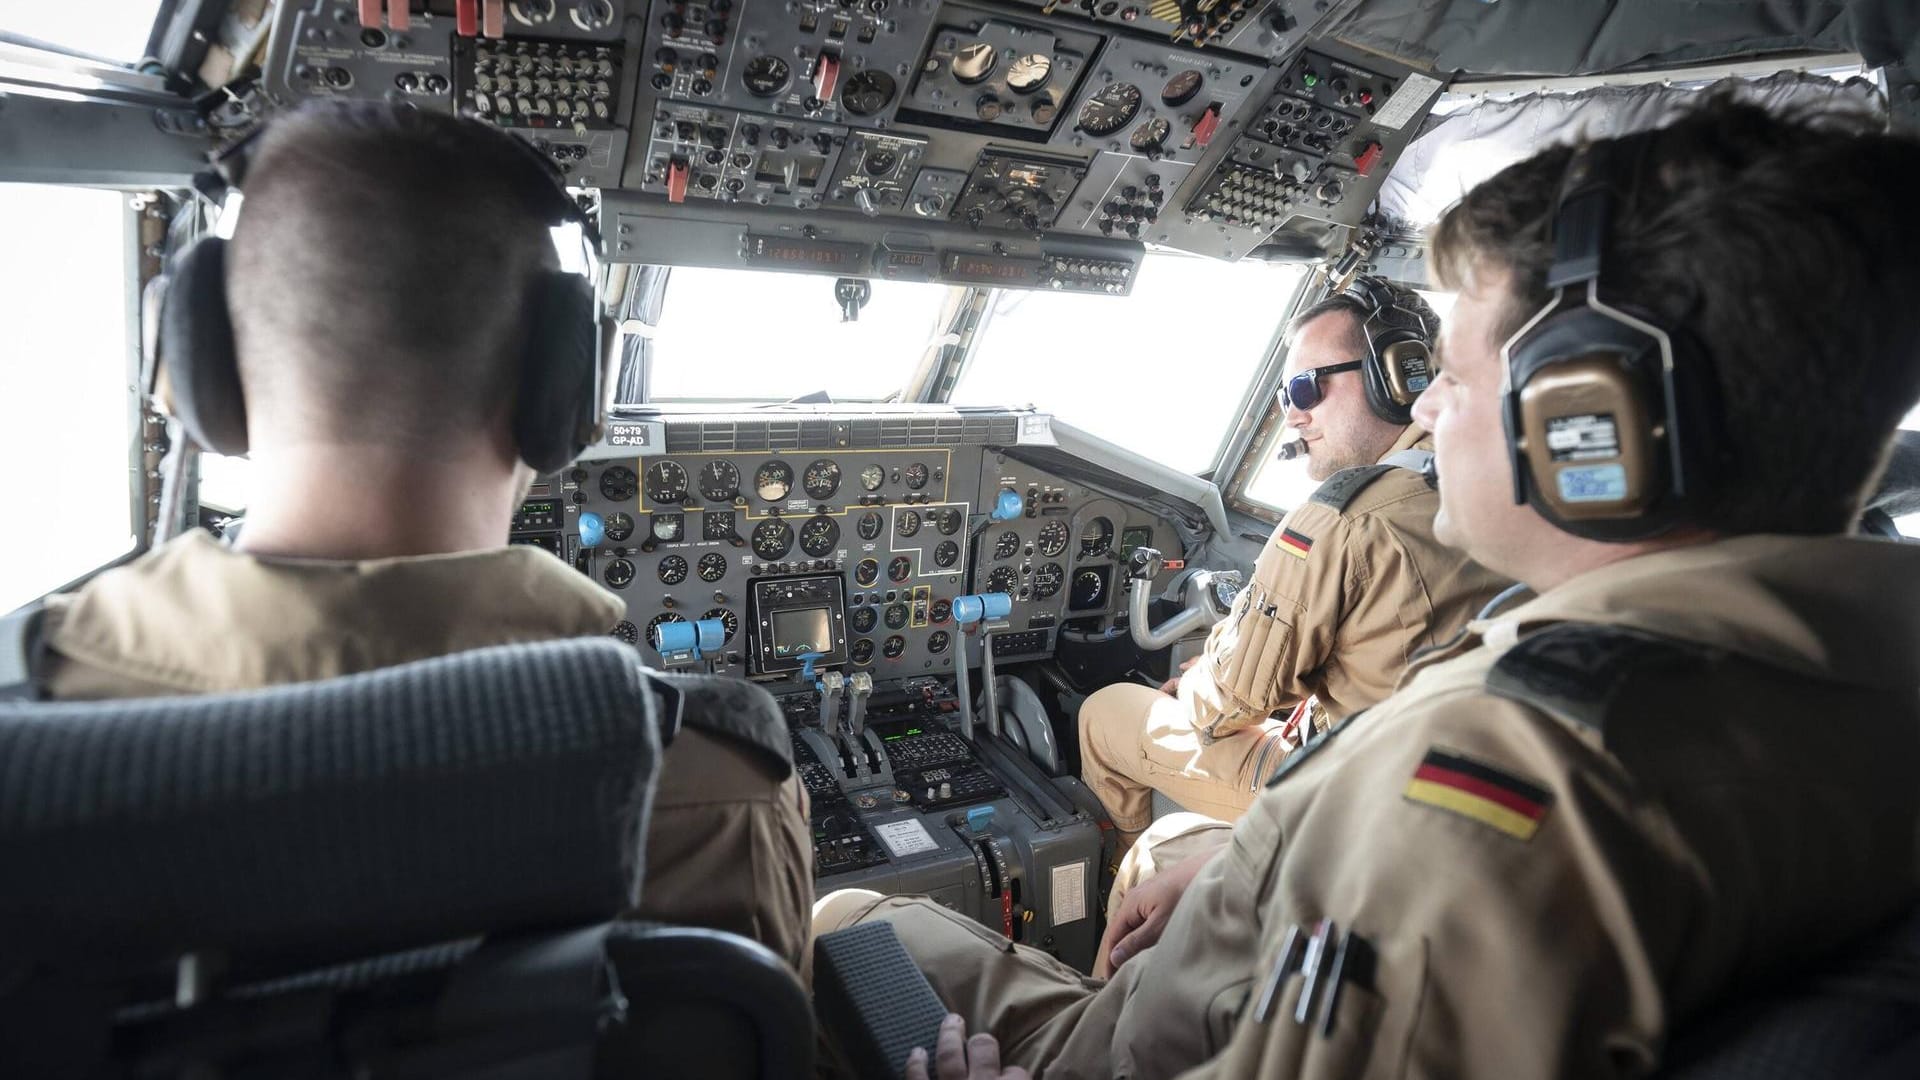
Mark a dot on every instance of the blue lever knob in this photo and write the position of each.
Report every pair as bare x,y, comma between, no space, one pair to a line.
1008,506
677,638
592,530
710,634
980,818
972,608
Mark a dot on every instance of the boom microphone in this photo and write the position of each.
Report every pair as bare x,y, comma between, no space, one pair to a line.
1289,451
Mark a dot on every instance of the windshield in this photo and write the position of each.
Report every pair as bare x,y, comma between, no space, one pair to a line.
761,336
1161,372
109,29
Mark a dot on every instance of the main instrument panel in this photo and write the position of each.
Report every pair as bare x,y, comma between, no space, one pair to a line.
1021,144
898,525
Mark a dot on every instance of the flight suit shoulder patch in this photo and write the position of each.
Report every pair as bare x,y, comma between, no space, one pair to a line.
1576,671
1495,797
1340,489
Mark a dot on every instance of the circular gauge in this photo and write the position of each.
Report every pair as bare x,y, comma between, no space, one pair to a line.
666,527
1110,109
948,521
766,76
893,647
897,616
619,574
938,641
879,162
673,570
713,567
916,475
867,572
1048,579
1029,73
1097,539
772,539
946,554
942,611
863,619
1007,546
821,479
872,477
1151,135
727,619
900,569
666,482
1001,580
619,483
719,481
619,527
974,62
908,523
773,480
870,525
1181,88
1053,538
863,651
627,632
868,92
1088,587
653,628
818,536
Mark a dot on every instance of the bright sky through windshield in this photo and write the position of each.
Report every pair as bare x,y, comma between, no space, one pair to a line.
113,29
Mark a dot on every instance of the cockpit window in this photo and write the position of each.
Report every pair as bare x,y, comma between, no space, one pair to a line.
116,30
1909,525
1161,371
63,386
760,336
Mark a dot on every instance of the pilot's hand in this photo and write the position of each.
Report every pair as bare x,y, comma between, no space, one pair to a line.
956,1057
1172,686
1143,914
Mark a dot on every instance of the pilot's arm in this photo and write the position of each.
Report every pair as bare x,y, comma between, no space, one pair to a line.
1513,919
1260,658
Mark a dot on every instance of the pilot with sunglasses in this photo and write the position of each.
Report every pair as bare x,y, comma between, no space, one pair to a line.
1349,587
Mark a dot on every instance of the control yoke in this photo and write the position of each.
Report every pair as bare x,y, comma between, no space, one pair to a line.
1206,597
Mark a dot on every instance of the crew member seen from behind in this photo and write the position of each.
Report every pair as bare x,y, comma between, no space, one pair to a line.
397,324
1348,588
1602,811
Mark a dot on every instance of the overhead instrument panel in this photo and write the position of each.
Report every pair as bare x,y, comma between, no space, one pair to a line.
818,60
1317,150
1254,27
557,73
990,73
1016,189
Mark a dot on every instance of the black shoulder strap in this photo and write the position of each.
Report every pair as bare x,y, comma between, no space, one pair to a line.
734,710
1576,670
21,655
1344,486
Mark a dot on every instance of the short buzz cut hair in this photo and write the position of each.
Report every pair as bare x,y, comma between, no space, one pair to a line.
1344,302
1784,244
380,274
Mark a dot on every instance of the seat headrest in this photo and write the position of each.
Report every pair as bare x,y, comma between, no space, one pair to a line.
501,788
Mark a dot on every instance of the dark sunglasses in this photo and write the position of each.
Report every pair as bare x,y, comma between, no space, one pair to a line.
1303,390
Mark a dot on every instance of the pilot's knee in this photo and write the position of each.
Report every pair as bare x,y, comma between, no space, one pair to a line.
842,908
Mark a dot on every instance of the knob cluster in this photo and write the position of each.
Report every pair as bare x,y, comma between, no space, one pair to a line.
1094,275
544,84
1133,207
1249,197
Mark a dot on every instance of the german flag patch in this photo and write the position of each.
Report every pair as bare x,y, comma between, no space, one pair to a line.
1481,792
1295,544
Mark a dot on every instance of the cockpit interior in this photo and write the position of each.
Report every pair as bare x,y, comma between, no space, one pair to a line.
952,332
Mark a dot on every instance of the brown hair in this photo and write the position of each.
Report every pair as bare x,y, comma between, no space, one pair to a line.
379,273
1346,303
1786,246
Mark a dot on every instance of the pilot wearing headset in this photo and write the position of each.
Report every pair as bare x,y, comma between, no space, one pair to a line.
1348,588
389,338
1685,767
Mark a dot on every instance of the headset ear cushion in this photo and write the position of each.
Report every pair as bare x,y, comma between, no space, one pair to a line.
1374,374
558,372
197,350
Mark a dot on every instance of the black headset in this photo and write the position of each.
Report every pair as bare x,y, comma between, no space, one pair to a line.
1399,361
561,405
1608,412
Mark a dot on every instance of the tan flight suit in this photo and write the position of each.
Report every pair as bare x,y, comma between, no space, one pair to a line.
1341,598
1660,829
728,847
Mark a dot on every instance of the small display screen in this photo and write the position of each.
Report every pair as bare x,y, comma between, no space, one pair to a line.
1136,537
802,630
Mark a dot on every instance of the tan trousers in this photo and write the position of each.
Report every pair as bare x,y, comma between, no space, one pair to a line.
1135,740
1169,841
